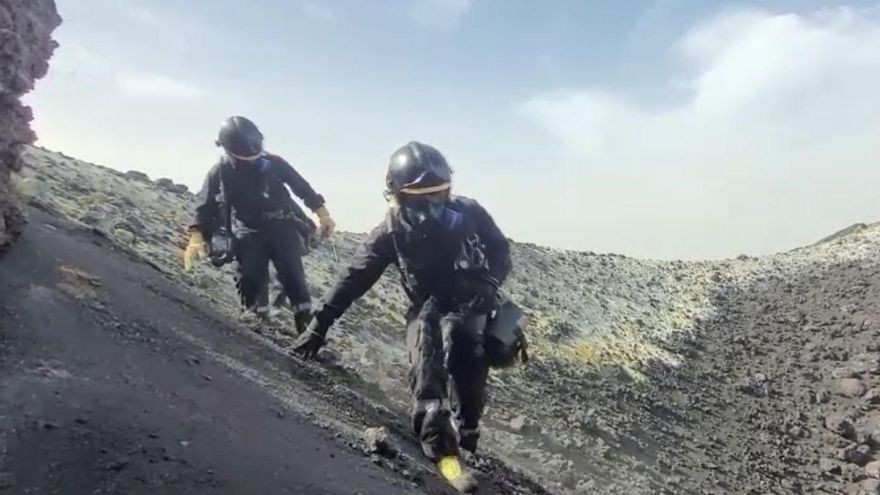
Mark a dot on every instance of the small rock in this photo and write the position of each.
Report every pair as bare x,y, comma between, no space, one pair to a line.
117,465
379,442
873,439
872,469
137,176
822,397
81,421
843,373
7,480
47,425
851,387
164,183
855,454
795,432
872,396
830,466
841,424
518,424
124,236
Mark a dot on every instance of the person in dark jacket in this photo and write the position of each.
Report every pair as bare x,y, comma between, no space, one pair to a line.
252,186
452,258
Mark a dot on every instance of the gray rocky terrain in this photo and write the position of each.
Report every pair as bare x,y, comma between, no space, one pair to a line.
749,375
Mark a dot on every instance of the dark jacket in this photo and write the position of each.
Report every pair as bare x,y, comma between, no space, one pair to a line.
256,189
430,264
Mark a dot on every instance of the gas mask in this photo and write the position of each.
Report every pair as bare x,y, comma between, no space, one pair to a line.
424,210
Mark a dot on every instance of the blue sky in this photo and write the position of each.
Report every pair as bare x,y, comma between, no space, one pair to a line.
663,129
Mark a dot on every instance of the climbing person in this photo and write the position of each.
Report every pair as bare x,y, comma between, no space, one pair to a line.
452,259
248,190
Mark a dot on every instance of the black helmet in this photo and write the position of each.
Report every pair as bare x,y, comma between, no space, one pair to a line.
240,138
417,168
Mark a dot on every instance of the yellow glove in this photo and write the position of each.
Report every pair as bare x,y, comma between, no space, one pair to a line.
327,225
195,250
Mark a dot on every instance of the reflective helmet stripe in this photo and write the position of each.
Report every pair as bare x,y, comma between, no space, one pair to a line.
426,190
245,158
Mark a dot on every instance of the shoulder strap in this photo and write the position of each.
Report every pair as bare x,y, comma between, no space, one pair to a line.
224,193
402,265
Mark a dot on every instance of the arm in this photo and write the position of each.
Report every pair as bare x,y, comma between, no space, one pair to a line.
207,208
297,184
368,264
497,246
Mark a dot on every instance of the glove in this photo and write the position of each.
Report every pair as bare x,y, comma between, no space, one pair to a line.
485,296
310,342
195,250
327,225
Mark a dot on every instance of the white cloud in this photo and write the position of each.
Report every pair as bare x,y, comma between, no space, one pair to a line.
778,112
137,12
319,10
147,85
440,14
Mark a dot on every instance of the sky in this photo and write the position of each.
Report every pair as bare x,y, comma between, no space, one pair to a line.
689,129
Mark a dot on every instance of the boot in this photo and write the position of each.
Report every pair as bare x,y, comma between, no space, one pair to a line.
468,439
302,320
451,470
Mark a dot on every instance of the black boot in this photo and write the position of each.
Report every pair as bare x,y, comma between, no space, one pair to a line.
468,439
302,320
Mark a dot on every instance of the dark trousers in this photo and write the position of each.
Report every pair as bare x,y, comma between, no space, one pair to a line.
447,378
279,242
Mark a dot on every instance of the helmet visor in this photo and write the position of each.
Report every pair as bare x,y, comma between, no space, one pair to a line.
245,145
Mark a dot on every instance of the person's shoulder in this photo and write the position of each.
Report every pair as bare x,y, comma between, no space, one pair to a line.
215,169
465,203
275,159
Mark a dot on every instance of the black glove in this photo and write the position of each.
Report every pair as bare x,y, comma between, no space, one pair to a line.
310,342
485,297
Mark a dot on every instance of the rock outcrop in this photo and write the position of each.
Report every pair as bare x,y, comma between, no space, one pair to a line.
25,48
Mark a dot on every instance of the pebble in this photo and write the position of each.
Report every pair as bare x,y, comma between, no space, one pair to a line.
518,423
379,442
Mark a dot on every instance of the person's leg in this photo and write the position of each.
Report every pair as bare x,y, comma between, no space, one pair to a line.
431,414
469,372
253,262
286,254
262,305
